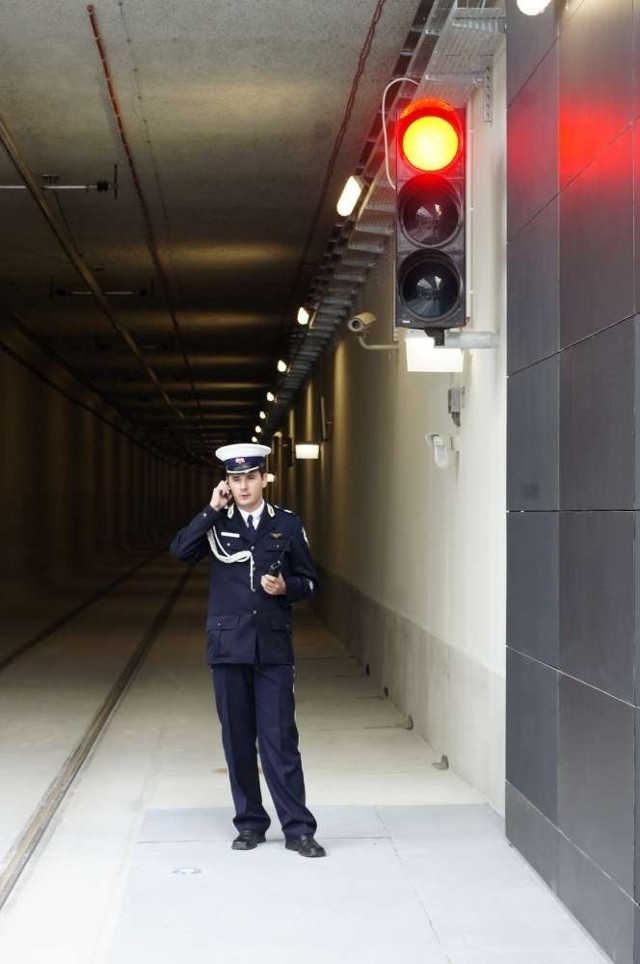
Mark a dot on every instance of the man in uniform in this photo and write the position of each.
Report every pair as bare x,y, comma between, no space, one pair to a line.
260,563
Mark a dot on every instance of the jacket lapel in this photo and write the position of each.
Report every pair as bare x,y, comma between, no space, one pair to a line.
235,524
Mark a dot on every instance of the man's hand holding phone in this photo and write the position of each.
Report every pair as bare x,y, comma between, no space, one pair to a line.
221,495
273,585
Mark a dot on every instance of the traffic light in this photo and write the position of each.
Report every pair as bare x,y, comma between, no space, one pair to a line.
430,217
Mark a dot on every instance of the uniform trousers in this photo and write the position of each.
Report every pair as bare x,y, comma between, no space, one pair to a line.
256,703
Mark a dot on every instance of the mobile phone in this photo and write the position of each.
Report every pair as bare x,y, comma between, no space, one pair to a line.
275,569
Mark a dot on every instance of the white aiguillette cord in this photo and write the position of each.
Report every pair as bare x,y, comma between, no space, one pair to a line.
219,551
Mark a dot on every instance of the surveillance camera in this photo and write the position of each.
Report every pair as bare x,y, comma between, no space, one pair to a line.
360,322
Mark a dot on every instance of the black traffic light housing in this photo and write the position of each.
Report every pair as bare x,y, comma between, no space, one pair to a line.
430,218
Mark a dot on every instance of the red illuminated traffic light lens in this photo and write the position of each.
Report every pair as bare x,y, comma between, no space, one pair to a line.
430,137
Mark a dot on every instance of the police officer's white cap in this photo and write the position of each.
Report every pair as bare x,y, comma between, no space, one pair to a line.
242,456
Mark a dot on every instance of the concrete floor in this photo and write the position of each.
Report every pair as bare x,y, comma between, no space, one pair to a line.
137,867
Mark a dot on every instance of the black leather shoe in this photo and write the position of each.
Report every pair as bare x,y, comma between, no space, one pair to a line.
306,845
248,840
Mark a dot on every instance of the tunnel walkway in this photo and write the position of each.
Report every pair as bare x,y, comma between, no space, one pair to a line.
136,866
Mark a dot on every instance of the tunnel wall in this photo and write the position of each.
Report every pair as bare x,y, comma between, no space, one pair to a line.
412,556
573,472
83,498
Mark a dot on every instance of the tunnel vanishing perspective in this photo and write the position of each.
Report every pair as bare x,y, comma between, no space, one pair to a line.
175,276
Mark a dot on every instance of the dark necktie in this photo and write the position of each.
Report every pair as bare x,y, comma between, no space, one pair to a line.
250,525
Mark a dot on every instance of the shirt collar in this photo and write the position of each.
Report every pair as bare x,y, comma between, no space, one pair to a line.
255,514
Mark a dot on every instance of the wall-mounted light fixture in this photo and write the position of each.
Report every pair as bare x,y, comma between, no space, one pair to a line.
423,356
303,316
282,366
262,415
271,397
533,7
307,450
254,438
258,429
350,196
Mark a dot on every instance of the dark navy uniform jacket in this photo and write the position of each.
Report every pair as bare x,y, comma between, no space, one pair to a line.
244,623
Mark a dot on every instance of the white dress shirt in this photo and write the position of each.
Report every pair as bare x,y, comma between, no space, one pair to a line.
255,515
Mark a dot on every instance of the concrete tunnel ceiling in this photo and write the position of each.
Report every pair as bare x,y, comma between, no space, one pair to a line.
174,300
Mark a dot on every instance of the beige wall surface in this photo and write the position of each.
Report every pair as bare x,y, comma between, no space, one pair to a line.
414,555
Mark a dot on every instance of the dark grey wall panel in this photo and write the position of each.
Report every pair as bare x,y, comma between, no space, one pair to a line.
532,437
597,423
535,837
607,913
529,40
573,300
636,891
533,299
532,731
598,599
593,112
596,244
532,138
595,779
532,584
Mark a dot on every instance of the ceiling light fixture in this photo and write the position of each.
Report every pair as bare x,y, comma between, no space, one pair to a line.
282,366
254,438
350,196
271,397
258,429
533,7
263,415
303,316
